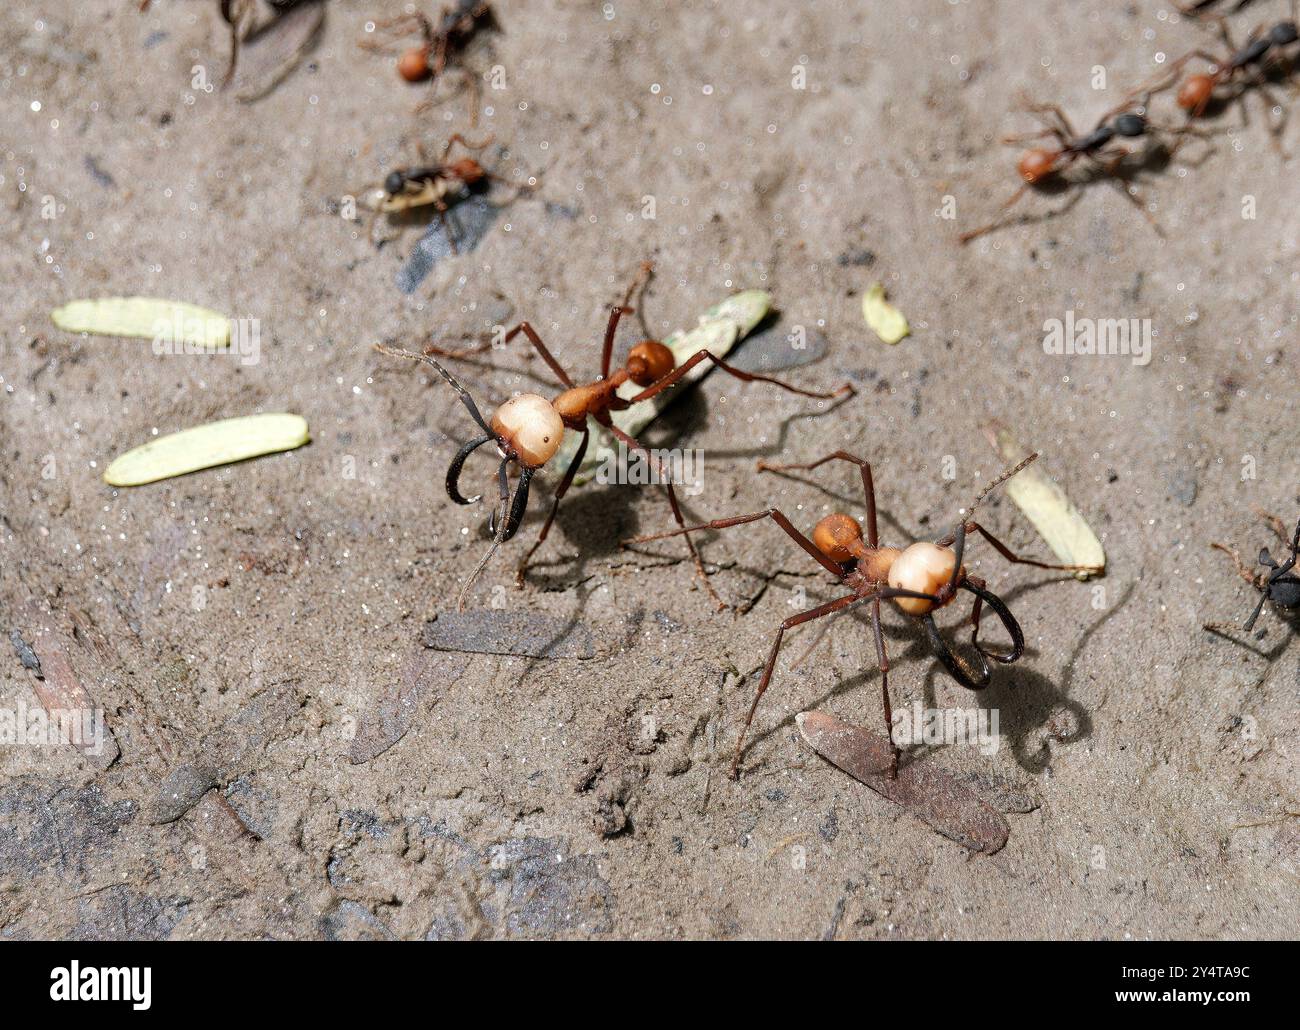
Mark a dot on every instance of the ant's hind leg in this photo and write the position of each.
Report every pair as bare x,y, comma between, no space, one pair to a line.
868,486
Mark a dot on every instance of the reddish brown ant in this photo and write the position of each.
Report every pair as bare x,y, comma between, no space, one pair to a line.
920,579
528,429
1041,165
1197,91
429,58
436,185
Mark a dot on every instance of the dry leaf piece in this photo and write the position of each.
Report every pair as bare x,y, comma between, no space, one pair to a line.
1045,505
885,320
217,443
146,318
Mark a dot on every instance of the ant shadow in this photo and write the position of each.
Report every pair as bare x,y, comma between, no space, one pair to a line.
1027,702
1289,619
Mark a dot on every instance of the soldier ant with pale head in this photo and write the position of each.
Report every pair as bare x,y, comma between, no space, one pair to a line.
1279,584
1041,165
528,429
920,578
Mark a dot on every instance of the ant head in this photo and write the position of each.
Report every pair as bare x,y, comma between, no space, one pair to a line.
413,65
1036,165
1130,124
649,361
528,429
1195,92
1284,33
393,183
923,568
467,170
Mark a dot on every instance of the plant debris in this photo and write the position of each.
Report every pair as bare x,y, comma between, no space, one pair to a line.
885,320
486,631
386,720
206,446
1045,505
934,796
146,318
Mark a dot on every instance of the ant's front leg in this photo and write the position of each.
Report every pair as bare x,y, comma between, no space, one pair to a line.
1247,574
1011,556
563,488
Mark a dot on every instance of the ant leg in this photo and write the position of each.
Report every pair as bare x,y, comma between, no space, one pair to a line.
1011,556
868,487
618,311
882,659
1028,137
635,445
456,137
673,377
1276,524
740,520
536,341
1242,571
560,491
794,620
997,223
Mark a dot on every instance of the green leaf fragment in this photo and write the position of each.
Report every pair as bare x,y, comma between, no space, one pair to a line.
1045,505
719,330
146,318
206,446
885,320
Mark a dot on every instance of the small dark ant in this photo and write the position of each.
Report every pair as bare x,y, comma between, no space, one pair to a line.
1039,165
919,578
1278,585
528,429
429,58
433,185
1197,91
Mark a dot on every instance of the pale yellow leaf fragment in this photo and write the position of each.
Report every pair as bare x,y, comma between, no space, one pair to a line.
885,320
217,443
1045,505
166,322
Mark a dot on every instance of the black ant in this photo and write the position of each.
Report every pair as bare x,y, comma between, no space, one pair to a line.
1279,584
433,185
429,58
1197,91
528,429
919,578
1040,165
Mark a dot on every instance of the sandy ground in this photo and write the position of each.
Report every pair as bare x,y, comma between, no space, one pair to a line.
244,627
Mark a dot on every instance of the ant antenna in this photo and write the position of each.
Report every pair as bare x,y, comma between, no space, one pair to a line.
999,481
466,399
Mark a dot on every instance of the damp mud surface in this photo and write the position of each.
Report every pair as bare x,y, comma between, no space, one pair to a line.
293,746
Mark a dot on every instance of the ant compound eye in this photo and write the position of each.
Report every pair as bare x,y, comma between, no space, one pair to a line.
529,426
924,568
393,182
1130,124
837,537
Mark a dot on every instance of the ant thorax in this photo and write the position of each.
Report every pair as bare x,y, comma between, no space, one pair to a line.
414,193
